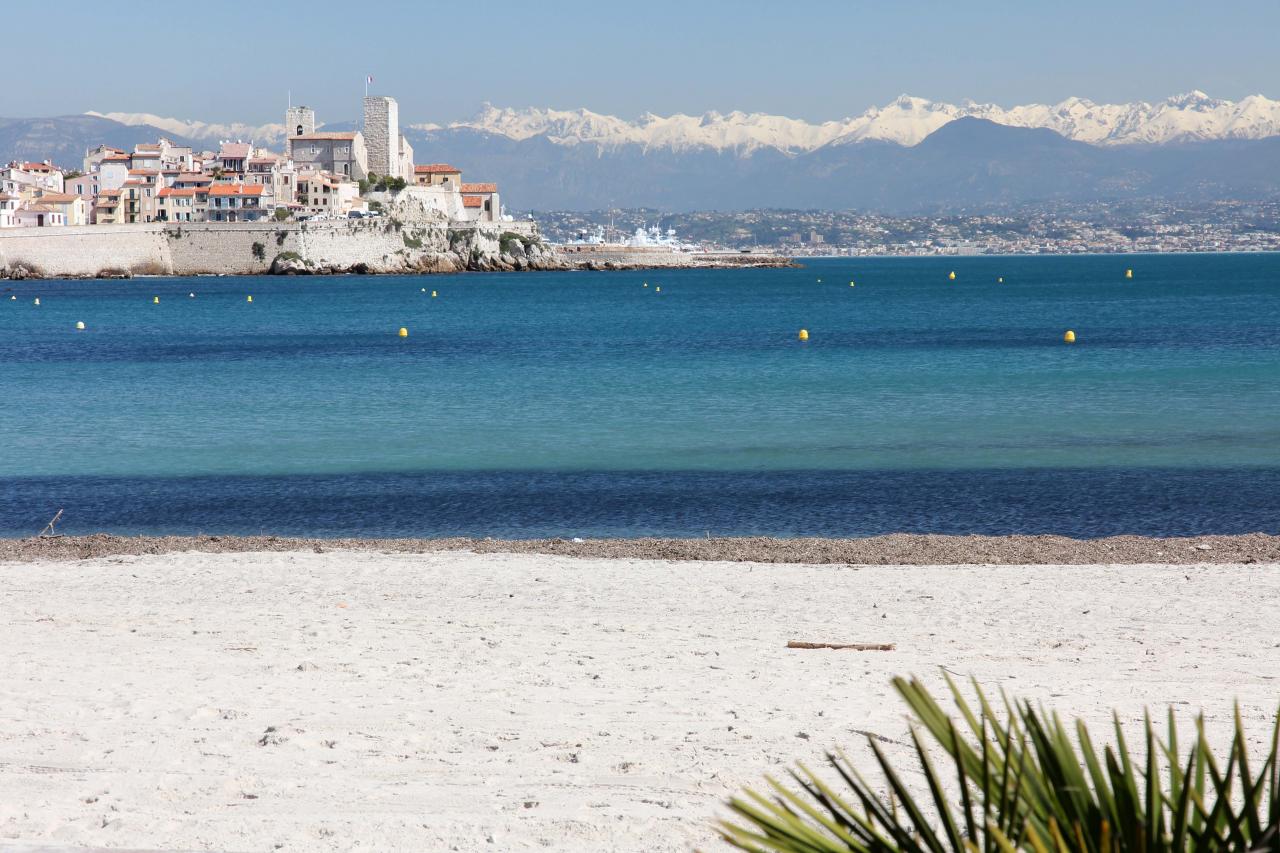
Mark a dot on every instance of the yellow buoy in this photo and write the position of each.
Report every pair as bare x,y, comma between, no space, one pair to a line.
37,302
1069,337
952,276
404,333
1128,273
1000,280
433,294
155,300
657,290
804,334
851,284
249,299
80,325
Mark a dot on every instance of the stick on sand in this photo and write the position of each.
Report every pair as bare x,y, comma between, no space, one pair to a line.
857,647
48,528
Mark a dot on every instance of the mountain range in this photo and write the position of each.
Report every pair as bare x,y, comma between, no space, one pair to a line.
907,120
907,155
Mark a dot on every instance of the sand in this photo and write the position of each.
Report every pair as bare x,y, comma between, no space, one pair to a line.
890,550
452,700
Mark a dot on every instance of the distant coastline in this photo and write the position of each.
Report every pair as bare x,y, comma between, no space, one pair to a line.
1092,254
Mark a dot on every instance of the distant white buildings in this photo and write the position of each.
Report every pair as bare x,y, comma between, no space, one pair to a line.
237,203
8,210
320,174
326,195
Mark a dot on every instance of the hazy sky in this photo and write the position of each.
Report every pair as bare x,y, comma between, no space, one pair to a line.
822,59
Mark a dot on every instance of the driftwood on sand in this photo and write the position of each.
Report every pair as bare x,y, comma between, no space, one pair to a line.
857,647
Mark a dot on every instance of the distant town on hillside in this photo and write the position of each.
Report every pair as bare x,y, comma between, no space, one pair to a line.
1150,226
320,174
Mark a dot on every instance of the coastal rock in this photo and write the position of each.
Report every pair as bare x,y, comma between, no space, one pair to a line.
20,272
438,262
289,265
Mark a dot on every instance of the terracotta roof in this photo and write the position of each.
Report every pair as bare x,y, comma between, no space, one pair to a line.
36,167
436,169
235,150
38,208
170,192
308,136
479,188
472,201
58,198
109,193
116,157
143,172
236,189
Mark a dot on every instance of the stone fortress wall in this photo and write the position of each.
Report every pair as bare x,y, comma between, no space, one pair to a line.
372,245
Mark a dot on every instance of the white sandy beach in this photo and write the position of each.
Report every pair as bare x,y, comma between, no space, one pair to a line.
453,701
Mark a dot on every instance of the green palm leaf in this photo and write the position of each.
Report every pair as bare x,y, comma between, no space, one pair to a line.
1024,784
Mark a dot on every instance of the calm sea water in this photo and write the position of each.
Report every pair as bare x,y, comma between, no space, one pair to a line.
588,404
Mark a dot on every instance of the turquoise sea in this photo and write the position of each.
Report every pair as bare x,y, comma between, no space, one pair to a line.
579,404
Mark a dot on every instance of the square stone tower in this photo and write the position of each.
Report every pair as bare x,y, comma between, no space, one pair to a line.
299,121
382,134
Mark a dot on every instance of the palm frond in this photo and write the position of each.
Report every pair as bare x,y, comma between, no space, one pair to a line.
1024,784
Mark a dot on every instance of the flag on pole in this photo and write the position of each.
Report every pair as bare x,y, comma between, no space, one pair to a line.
370,80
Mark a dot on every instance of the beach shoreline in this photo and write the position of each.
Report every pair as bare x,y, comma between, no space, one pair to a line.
899,549
453,700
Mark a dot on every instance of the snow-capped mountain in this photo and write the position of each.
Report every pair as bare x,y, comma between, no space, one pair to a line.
742,132
266,133
905,121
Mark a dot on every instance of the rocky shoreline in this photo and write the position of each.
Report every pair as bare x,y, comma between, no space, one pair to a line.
442,264
895,549
535,258
461,256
